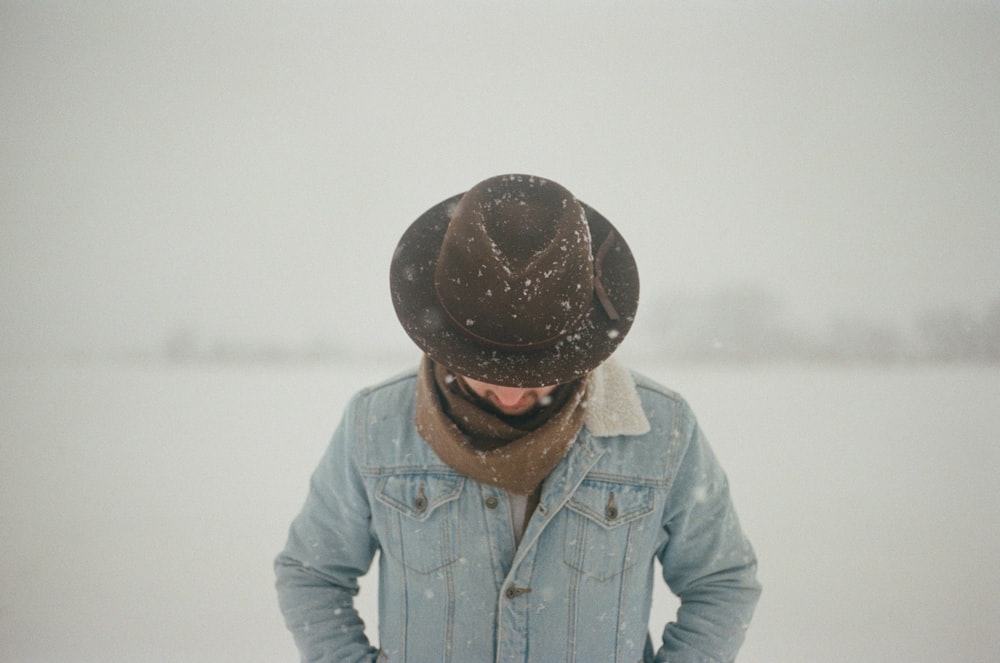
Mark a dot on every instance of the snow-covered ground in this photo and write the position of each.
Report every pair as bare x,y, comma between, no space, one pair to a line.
140,507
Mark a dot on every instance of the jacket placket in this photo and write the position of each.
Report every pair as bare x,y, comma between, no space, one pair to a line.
514,600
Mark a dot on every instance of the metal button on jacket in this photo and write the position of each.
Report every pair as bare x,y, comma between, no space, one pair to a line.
611,510
420,503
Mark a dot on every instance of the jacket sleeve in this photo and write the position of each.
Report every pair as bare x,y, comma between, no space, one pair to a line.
329,547
707,560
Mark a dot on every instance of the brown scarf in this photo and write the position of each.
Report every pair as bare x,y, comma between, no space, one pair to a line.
513,453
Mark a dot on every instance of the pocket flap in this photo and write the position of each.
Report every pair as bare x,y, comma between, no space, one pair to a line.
417,495
611,504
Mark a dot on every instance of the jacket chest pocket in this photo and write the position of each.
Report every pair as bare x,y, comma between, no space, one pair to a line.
421,524
605,521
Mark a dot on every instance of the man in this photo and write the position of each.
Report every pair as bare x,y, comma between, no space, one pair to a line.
519,485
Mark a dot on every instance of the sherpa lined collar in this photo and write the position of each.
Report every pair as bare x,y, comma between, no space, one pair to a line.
613,406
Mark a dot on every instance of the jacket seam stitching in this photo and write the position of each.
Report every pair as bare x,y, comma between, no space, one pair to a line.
392,470
628,479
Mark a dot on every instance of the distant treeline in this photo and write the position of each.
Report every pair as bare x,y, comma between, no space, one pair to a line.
737,325
750,324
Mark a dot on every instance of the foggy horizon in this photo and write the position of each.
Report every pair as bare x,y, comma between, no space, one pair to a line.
740,323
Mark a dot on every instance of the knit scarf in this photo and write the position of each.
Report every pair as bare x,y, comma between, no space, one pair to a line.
513,453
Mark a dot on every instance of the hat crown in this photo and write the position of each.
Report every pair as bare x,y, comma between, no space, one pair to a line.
515,268
459,281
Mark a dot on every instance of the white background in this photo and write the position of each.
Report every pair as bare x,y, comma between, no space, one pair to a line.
177,175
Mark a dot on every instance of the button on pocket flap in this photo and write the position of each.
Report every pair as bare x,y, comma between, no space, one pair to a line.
418,495
611,504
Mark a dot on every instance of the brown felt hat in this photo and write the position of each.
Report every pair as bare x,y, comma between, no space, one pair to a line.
515,283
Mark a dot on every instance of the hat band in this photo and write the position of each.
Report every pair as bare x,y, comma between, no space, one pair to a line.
597,287
602,294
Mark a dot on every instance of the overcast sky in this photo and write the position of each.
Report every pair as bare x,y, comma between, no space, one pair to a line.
244,169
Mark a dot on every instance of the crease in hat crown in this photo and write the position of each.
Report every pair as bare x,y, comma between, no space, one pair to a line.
515,266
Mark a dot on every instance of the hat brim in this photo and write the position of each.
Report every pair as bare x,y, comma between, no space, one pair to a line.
411,280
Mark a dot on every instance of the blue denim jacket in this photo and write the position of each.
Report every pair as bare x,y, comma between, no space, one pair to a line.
639,483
